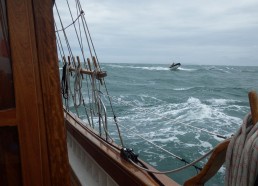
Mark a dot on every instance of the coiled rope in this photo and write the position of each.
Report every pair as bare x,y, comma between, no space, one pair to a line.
242,155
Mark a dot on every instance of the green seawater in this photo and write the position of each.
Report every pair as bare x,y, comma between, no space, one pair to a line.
155,102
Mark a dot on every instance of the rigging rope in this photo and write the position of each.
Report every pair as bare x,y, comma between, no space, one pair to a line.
77,89
65,36
69,24
174,170
164,150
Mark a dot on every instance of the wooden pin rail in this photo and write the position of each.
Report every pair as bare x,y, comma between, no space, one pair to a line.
99,74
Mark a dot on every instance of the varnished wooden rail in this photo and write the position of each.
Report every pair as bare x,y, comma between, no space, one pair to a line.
211,167
253,101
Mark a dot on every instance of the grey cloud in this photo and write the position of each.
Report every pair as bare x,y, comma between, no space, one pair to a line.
196,32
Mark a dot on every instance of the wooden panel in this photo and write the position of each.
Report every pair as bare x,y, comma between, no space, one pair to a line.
24,59
37,92
8,117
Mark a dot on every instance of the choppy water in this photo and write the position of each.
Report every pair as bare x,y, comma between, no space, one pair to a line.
156,103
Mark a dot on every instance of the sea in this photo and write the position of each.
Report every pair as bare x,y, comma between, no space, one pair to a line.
162,113
155,105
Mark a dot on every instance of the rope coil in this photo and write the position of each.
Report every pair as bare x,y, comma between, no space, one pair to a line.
242,155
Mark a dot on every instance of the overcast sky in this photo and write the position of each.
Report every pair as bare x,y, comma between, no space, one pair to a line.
217,32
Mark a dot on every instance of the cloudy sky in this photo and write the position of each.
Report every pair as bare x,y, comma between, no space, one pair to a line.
221,32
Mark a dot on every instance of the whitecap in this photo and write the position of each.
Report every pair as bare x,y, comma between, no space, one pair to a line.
214,101
186,69
182,88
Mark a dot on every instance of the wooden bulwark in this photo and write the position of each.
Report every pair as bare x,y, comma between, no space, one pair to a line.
123,172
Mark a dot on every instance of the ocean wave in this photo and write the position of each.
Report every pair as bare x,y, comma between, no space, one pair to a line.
187,69
152,68
219,69
214,101
193,112
183,88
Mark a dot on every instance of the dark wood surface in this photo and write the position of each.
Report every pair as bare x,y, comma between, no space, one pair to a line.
10,163
8,117
7,99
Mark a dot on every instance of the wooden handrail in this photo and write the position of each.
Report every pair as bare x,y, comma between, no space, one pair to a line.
253,101
211,167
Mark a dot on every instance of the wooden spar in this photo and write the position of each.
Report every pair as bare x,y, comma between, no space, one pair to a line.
253,101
